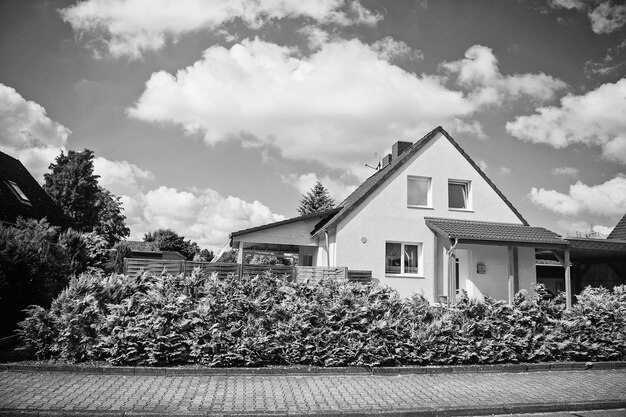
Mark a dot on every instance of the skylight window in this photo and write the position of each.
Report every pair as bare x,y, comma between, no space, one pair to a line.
18,192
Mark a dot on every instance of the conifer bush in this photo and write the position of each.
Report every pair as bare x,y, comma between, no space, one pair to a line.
264,320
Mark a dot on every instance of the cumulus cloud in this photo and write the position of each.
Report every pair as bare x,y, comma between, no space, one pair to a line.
389,49
120,177
565,171
479,73
27,133
597,118
607,199
202,215
336,106
337,189
123,28
605,16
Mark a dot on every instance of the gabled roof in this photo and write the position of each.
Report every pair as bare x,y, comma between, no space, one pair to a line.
619,232
475,232
39,204
372,183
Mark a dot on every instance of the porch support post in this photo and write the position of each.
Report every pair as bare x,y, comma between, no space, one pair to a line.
327,248
240,254
451,278
511,283
451,272
568,280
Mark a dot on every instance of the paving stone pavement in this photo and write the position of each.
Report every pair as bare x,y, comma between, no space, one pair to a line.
305,395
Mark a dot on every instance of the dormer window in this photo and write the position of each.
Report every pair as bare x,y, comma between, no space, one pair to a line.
18,192
459,197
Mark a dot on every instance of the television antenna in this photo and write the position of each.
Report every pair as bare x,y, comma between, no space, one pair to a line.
377,167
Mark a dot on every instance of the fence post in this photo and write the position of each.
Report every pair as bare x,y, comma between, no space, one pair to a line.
184,267
125,267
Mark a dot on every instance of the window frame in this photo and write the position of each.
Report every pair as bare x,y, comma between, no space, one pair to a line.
429,192
420,263
468,194
18,192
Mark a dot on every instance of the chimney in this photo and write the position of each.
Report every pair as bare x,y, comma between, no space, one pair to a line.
398,148
386,160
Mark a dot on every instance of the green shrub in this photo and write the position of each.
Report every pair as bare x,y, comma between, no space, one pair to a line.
262,320
33,269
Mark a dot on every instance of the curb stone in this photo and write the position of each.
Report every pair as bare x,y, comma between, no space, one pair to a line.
297,370
419,412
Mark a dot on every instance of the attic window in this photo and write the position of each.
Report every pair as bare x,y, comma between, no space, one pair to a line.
419,192
459,195
18,192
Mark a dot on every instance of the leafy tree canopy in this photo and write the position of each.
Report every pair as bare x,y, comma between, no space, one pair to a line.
316,200
167,239
74,187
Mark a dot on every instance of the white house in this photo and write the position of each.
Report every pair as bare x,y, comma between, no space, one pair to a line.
429,221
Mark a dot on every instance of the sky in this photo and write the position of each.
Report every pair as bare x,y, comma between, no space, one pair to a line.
208,117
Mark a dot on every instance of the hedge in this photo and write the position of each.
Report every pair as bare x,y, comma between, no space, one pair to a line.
262,320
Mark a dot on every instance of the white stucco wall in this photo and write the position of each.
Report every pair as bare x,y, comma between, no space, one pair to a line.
385,217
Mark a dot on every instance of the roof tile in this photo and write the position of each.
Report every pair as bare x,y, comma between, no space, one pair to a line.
619,232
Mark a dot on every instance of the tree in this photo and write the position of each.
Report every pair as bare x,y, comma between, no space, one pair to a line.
316,200
110,223
204,255
167,239
73,186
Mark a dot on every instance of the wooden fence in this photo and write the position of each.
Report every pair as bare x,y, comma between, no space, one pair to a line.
134,266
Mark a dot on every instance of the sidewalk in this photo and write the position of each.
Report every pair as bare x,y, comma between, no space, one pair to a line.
32,392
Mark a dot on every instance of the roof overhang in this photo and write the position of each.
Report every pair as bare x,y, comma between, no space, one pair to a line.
285,222
495,234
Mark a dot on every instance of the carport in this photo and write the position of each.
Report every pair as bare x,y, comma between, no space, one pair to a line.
594,262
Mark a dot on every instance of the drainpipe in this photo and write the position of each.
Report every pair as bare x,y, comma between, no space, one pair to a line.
451,277
327,249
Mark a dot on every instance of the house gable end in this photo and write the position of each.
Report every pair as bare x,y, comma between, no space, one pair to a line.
369,186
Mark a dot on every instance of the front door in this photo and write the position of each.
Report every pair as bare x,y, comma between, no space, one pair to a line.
461,270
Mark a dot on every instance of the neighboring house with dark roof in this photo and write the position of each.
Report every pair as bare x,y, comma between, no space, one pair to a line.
429,221
619,231
21,195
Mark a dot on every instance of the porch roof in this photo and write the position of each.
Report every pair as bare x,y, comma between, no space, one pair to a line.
490,233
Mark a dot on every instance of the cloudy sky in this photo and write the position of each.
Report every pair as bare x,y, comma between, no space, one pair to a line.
214,116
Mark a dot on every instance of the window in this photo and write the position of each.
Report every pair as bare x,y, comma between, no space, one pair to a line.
307,260
418,192
459,195
18,192
402,258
